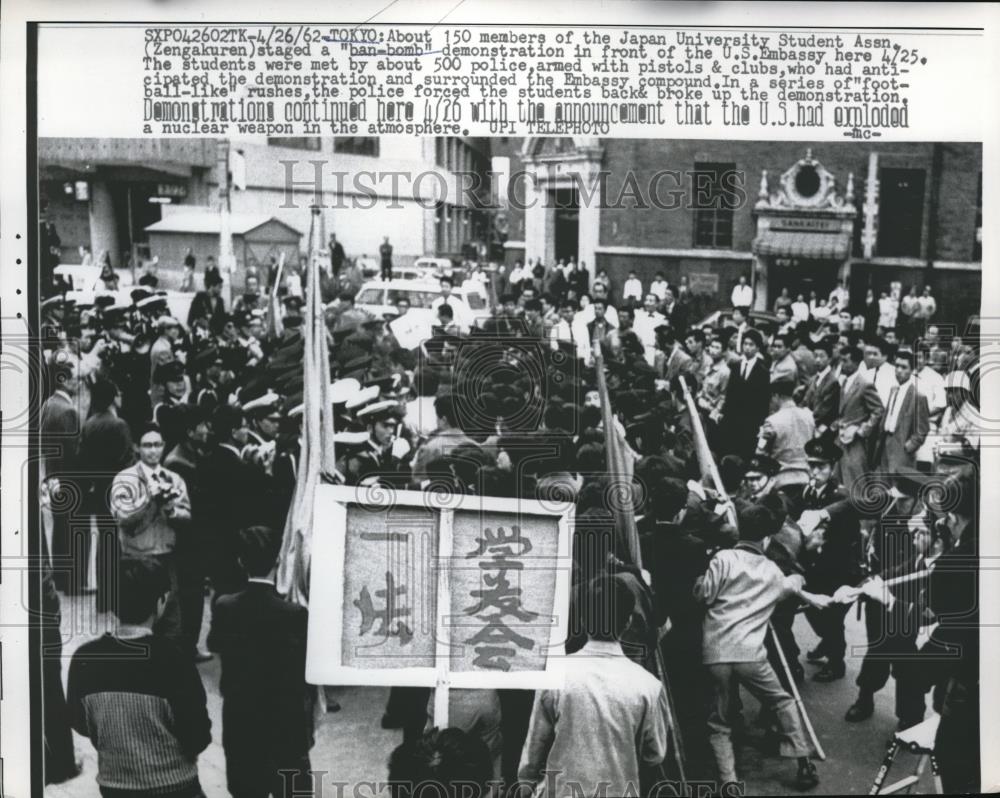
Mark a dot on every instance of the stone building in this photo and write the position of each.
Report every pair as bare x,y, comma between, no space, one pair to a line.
783,214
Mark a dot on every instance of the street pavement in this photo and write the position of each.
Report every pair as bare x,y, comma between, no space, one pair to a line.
351,747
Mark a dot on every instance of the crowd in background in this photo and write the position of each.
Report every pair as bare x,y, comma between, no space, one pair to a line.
177,441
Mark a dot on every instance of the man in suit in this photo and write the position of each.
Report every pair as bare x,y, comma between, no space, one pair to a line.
105,449
267,706
672,360
191,550
783,365
823,389
748,397
59,431
230,490
905,424
860,413
150,503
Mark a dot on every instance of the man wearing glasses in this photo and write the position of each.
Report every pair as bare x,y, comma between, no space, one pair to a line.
150,503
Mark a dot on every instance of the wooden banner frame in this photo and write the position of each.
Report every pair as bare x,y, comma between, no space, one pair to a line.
329,545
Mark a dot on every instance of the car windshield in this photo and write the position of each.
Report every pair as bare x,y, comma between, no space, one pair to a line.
370,296
417,299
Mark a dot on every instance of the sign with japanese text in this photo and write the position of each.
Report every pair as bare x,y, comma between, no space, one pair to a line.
411,588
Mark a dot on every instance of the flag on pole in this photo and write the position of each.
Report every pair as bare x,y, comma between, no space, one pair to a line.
317,457
275,329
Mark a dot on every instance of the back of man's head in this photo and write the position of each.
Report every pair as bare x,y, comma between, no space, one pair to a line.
608,607
449,763
444,406
258,550
142,583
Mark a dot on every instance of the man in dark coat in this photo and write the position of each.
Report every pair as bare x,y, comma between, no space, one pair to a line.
208,304
267,706
105,449
59,431
229,488
748,398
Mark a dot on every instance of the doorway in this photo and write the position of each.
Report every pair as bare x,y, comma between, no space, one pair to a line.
567,213
801,276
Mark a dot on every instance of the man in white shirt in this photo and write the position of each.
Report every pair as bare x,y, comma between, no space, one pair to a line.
927,304
562,330
461,313
647,319
633,289
586,315
659,286
800,309
931,386
742,296
877,371
840,295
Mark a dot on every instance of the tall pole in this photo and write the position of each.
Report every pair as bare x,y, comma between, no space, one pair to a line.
227,256
625,527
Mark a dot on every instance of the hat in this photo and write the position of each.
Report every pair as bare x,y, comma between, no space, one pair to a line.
168,372
822,450
958,379
356,367
762,464
386,384
140,294
380,411
262,404
166,321
342,390
207,357
362,397
341,334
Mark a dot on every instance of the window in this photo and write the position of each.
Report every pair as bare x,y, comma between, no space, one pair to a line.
714,199
300,143
977,242
900,212
356,145
371,296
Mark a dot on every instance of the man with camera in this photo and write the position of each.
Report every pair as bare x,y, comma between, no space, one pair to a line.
150,503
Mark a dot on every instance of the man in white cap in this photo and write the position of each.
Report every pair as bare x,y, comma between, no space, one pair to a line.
384,460
162,351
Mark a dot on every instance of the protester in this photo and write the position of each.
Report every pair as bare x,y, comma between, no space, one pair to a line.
796,419
138,699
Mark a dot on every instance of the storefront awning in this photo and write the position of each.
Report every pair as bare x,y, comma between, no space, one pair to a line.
803,244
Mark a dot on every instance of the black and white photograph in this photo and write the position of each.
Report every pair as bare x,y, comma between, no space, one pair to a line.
465,399
747,370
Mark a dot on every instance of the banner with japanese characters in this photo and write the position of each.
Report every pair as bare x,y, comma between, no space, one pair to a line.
410,589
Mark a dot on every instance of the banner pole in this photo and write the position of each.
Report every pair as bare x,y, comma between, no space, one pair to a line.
625,526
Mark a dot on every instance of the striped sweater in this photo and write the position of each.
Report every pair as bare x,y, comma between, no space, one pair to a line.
143,706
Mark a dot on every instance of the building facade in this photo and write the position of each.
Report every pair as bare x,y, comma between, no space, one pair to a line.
794,215
105,193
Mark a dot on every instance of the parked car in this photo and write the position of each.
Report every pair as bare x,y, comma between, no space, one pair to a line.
379,298
88,278
436,266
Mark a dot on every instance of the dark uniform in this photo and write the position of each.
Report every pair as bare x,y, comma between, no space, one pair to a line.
836,561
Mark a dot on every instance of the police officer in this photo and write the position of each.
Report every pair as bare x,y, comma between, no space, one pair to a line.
385,460
833,553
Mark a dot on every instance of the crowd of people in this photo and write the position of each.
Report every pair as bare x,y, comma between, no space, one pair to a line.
847,457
